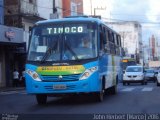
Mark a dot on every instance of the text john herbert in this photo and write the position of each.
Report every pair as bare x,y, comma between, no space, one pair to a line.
109,117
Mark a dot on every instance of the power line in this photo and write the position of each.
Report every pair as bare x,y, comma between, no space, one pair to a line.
120,20
119,14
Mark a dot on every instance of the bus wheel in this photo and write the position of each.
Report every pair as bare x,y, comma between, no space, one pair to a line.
113,90
41,99
124,83
99,96
158,84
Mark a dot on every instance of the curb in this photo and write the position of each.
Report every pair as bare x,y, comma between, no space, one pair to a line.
11,89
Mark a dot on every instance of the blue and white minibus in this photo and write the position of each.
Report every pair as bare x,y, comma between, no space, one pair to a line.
72,56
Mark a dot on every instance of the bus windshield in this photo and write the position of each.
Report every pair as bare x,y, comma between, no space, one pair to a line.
61,42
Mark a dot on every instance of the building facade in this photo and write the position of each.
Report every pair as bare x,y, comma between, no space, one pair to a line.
12,53
153,45
131,38
1,12
158,49
72,7
19,17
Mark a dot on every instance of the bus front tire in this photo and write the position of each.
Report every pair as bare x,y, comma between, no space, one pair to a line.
99,96
41,99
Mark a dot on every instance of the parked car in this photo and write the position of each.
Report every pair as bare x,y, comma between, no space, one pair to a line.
158,79
134,74
150,75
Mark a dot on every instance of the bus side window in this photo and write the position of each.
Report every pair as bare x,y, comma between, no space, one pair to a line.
119,38
117,44
101,38
107,47
112,43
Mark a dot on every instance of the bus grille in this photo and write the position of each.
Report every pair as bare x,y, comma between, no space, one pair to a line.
55,78
69,87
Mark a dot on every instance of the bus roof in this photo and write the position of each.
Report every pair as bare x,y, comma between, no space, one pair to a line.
74,19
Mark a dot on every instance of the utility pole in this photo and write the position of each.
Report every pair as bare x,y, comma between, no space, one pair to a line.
101,8
54,7
91,6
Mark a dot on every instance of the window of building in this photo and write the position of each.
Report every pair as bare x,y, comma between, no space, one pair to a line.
30,1
73,9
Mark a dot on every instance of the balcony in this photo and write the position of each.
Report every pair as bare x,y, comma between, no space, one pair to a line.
27,8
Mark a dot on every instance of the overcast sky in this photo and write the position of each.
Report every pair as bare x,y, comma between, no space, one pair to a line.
147,12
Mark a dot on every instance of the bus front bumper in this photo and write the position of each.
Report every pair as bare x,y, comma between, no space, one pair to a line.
80,86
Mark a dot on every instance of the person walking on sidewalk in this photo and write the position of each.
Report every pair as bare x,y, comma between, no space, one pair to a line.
15,78
22,78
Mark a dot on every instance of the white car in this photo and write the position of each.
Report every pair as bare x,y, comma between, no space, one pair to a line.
134,74
158,79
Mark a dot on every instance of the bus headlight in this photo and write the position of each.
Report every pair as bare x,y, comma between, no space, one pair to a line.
33,74
88,73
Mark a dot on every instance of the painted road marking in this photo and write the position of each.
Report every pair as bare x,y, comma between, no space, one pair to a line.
127,89
147,89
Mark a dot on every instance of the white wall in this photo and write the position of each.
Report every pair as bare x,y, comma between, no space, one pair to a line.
130,36
26,24
45,8
59,7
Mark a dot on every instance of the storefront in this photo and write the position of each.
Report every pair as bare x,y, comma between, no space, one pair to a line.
12,53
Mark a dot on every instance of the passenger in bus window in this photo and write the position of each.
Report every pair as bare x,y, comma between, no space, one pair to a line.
86,42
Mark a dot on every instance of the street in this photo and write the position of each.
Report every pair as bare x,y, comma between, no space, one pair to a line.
135,98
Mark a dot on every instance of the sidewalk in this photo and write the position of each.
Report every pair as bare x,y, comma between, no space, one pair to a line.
4,89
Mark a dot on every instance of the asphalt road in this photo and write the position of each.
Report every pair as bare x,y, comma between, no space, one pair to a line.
135,98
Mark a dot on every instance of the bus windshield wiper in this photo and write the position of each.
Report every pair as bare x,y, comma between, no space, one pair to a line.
70,49
48,53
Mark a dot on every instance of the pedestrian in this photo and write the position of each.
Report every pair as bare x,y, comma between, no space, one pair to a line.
22,79
15,78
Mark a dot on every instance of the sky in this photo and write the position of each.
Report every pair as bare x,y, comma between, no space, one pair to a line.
147,12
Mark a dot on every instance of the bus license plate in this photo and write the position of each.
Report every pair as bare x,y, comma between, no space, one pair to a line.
59,87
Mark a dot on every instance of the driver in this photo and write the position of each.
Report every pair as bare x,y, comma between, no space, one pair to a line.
86,42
